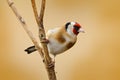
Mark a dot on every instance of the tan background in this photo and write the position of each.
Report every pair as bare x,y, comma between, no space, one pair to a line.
96,56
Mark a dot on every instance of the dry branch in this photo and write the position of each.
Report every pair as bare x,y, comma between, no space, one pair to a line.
39,19
42,36
20,18
35,11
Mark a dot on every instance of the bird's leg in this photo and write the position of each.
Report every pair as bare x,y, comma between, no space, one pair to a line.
53,59
45,40
52,64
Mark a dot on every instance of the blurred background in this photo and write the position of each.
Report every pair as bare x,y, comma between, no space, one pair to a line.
95,56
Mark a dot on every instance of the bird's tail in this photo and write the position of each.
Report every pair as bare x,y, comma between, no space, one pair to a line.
30,49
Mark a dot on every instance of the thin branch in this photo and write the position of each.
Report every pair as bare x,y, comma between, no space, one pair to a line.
39,21
11,4
42,11
35,11
42,36
44,54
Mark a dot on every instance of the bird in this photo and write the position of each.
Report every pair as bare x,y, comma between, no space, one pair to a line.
60,39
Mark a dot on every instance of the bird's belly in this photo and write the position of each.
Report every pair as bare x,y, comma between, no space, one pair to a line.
55,47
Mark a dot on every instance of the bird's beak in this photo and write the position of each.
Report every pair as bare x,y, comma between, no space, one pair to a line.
81,30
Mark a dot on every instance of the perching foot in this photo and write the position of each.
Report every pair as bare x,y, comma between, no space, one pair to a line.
45,41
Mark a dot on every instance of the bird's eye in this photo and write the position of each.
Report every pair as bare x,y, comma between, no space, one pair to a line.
76,28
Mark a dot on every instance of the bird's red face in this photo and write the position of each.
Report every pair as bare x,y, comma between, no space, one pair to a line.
77,28
74,27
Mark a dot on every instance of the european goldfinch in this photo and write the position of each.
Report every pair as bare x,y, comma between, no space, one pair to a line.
60,39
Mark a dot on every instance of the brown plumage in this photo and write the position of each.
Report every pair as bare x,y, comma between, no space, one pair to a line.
61,38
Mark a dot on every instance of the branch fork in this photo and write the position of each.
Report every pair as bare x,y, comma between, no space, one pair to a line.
44,50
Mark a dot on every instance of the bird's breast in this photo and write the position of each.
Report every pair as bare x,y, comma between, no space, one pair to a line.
69,45
59,41
60,44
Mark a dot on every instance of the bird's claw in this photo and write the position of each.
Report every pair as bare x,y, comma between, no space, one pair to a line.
51,64
45,41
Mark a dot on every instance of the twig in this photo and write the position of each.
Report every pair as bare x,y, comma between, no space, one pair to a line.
39,21
35,11
42,11
45,54
11,4
42,36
